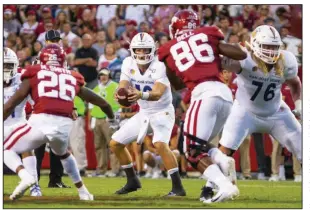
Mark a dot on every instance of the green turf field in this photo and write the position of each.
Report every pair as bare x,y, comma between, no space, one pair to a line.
253,194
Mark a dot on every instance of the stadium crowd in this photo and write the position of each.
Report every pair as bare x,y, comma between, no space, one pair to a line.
96,40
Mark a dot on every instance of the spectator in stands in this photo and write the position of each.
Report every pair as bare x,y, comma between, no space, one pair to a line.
100,43
109,59
10,24
66,46
102,133
77,138
248,17
61,19
209,16
86,60
76,44
291,42
224,26
104,14
46,16
68,33
87,19
37,47
130,32
281,18
47,26
31,24
269,21
138,13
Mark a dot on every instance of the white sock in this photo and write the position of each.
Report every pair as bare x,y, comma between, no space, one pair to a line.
11,160
24,174
83,189
214,174
30,164
130,165
172,171
71,168
216,155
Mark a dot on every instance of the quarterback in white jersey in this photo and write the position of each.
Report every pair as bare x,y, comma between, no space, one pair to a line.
148,85
11,83
258,107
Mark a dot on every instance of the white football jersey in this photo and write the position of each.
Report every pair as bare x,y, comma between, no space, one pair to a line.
19,113
259,93
145,82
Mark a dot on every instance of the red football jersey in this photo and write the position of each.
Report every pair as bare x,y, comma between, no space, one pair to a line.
194,56
53,89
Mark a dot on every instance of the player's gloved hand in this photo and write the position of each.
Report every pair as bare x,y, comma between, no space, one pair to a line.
74,114
134,94
297,110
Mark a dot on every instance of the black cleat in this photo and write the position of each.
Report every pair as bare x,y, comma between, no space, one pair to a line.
57,185
206,193
130,186
173,193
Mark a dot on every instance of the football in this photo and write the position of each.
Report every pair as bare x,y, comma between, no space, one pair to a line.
123,97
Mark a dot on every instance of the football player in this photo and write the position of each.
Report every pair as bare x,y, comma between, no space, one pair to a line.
146,79
11,79
52,88
258,106
193,59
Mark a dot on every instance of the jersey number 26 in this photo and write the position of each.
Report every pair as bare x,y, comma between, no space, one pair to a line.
51,80
189,57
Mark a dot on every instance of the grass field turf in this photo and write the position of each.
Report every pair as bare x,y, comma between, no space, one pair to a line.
254,194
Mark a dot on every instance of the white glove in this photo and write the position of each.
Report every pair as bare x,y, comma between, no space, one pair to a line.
297,110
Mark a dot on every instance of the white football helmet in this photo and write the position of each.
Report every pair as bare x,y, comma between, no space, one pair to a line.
142,41
266,43
10,64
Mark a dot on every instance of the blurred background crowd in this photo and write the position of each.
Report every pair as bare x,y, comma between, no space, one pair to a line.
102,34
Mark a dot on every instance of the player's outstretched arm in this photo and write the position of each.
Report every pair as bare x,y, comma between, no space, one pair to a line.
89,96
232,51
16,99
230,64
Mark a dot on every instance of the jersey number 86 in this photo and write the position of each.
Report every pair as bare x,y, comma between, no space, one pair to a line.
191,57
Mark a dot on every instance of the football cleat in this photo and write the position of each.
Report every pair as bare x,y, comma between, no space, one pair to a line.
22,187
35,191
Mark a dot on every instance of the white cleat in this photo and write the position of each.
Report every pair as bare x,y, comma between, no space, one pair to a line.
21,188
148,175
261,176
156,174
228,168
35,191
297,178
86,197
274,178
229,192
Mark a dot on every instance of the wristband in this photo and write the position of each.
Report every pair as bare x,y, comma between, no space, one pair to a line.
145,95
298,104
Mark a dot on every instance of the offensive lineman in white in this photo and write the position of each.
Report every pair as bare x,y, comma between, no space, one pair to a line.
11,82
258,106
148,84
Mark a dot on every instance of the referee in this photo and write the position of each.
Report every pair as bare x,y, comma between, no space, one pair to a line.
57,171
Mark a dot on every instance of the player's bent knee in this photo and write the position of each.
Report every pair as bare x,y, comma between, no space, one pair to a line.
161,146
114,145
